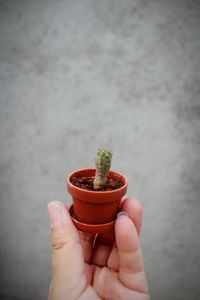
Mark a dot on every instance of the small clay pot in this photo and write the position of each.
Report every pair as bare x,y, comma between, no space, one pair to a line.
95,207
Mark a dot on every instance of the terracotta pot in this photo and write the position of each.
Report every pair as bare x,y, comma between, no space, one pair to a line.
105,229
95,207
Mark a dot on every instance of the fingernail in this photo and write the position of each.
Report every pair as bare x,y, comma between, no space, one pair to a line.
122,213
56,213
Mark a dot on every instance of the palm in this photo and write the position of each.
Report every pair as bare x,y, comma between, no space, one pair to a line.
107,280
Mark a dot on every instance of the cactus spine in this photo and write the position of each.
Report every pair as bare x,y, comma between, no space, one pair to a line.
103,163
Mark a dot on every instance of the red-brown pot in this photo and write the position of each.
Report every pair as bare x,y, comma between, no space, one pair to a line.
95,207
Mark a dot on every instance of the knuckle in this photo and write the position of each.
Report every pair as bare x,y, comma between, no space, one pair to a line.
58,239
138,206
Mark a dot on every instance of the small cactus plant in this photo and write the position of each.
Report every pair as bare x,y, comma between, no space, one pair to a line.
103,163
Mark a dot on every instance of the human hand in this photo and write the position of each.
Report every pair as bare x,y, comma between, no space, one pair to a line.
85,267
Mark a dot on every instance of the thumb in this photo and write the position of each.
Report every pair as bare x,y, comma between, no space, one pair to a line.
67,257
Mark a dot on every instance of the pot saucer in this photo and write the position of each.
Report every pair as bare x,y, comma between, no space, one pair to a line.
91,228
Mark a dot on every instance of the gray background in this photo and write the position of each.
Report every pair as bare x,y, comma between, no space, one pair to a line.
76,75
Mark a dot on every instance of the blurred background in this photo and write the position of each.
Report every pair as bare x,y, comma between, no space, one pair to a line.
76,75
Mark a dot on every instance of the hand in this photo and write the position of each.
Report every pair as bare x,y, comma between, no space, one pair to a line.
85,267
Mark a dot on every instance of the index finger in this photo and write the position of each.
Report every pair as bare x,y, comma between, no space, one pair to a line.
131,269
104,243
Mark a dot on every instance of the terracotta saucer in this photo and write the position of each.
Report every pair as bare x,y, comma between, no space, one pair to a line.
92,228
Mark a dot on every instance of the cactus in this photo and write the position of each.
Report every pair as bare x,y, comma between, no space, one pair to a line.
103,163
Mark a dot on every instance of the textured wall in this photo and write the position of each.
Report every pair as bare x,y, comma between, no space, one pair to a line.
76,75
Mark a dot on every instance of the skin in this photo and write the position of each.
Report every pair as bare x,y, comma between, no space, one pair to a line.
85,267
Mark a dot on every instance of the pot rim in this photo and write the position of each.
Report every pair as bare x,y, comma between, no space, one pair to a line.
96,192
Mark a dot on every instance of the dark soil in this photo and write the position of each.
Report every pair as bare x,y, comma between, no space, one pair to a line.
86,183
